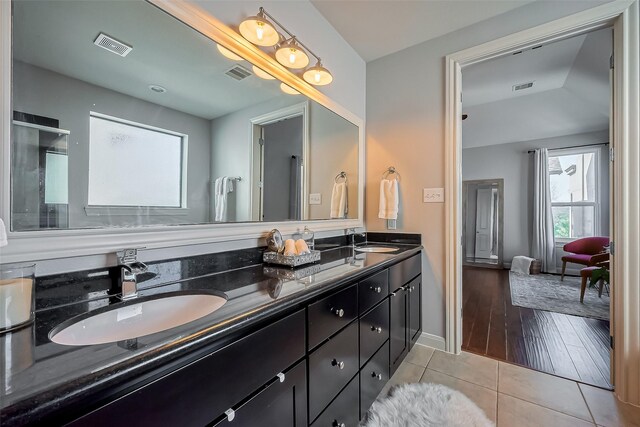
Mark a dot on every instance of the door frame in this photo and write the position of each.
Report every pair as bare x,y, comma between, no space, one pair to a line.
299,109
623,17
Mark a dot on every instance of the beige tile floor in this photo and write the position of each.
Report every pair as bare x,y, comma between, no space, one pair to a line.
514,396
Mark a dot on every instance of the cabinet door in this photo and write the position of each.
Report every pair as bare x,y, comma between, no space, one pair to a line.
281,404
398,328
415,313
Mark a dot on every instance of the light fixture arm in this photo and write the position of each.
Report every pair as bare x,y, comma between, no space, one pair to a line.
291,35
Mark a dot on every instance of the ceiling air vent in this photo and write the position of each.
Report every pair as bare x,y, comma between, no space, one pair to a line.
112,45
238,72
522,86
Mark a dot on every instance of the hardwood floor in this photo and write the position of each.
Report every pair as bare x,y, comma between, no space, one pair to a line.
568,346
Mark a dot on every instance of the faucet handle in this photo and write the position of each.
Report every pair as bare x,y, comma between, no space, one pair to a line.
128,256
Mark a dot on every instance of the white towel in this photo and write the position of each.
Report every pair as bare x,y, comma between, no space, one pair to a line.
521,264
222,187
388,199
3,234
339,204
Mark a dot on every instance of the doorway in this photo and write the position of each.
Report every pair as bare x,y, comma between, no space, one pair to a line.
279,158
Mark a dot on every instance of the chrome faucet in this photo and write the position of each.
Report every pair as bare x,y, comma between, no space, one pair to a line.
130,267
352,233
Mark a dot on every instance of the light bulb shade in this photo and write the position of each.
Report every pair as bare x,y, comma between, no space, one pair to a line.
259,31
288,89
262,74
318,75
228,54
291,55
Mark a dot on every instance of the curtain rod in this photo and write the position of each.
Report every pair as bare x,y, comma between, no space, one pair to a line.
574,146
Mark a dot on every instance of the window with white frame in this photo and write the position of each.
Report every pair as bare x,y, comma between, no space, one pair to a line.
575,192
132,164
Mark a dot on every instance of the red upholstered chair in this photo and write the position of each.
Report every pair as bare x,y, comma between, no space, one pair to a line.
582,251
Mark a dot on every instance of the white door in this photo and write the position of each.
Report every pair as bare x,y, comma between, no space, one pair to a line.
484,223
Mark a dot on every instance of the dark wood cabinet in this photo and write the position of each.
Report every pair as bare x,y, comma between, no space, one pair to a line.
331,367
331,314
398,343
343,411
373,376
372,290
374,330
323,365
282,403
415,312
405,317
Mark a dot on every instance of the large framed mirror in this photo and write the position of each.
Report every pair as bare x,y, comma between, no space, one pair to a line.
151,123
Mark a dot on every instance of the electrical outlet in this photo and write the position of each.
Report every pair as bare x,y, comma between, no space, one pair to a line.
433,195
315,199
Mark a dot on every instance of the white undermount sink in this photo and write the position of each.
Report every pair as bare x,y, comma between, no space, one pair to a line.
376,249
136,318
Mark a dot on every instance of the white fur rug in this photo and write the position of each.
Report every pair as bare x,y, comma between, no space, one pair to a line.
425,405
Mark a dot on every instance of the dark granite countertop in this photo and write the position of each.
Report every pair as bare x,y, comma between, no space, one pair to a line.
41,377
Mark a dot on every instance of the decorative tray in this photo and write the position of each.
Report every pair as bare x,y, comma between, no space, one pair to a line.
290,261
289,273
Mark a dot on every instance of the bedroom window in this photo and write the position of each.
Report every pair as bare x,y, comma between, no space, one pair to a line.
574,184
151,164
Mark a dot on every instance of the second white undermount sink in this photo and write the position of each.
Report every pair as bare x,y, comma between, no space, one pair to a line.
136,318
376,249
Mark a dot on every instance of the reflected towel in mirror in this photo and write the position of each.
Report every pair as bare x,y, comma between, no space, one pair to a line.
339,200
3,234
222,187
388,208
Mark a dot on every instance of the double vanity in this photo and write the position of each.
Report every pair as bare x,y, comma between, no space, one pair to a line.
279,350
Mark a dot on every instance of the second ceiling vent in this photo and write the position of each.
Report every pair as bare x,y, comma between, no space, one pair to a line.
522,86
112,45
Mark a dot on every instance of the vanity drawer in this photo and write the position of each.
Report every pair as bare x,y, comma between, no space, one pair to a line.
195,394
372,290
331,314
404,271
374,330
343,410
331,367
373,377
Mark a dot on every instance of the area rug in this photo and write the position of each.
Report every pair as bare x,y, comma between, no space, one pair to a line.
425,405
547,292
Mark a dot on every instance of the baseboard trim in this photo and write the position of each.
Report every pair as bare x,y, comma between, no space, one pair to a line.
430,340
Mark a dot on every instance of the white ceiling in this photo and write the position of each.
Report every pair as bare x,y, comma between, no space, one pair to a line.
570,93
378,28
59,35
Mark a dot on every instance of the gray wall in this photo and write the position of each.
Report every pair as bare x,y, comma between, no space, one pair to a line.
405,128
512,163
46,93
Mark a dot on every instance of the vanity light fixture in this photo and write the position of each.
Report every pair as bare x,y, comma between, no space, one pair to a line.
291,55
259,72
259,31
290,52
288,89
228,54
318,75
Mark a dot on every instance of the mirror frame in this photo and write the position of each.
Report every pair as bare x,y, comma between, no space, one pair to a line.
53,244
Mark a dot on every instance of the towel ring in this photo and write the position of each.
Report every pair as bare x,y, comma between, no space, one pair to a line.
341,175
391,170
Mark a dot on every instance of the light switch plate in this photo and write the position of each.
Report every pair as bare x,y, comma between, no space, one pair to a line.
433,195
315,199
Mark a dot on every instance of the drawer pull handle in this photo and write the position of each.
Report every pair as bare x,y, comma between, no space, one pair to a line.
281,377
340,364
230,413
338,312
378,376
337,424
376,289
376,329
